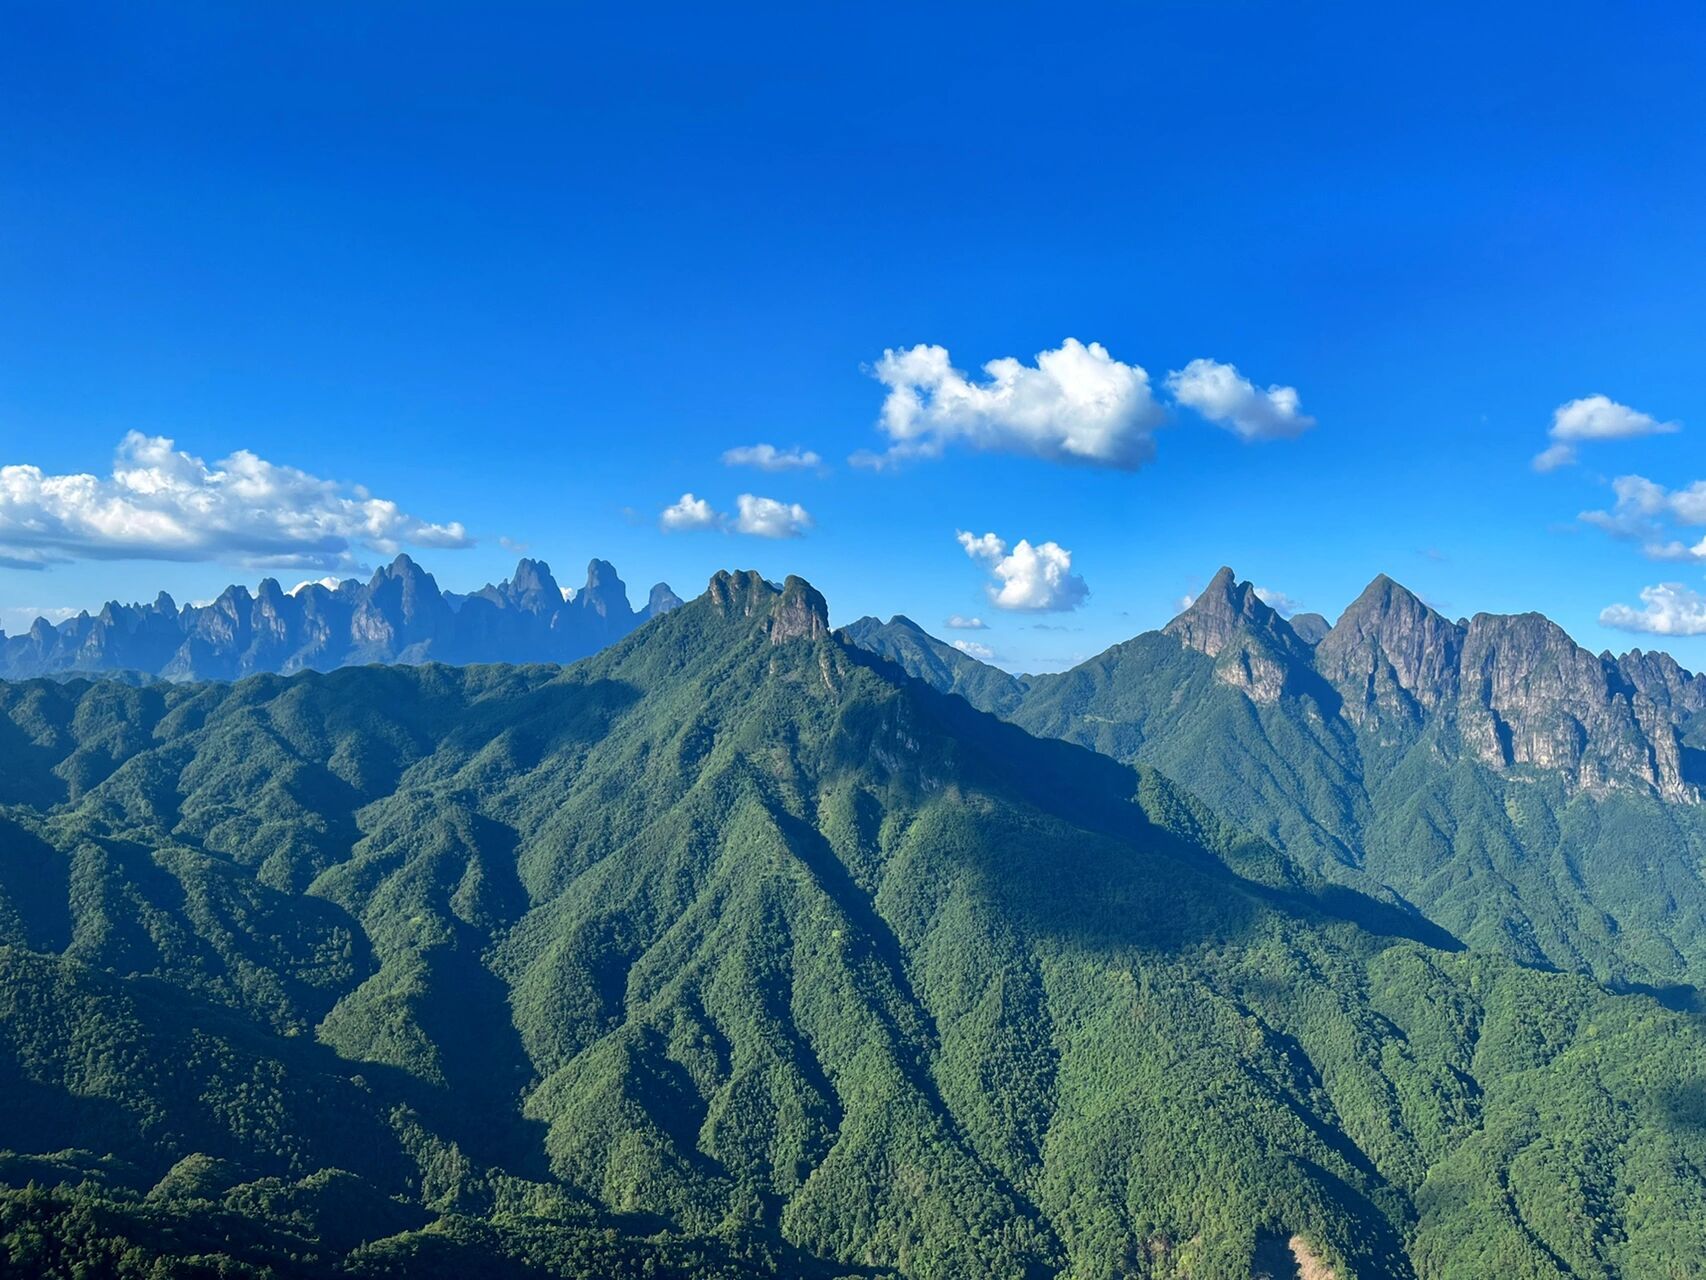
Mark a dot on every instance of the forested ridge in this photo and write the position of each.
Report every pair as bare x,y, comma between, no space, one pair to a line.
733,950
1529,797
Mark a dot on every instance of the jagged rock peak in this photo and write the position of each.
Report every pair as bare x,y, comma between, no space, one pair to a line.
1389,644
1215,616
1659,677
796,608
403,567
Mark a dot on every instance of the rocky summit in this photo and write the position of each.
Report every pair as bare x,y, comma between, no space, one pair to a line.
398,615
1522,792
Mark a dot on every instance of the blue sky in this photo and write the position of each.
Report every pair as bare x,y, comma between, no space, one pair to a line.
532,274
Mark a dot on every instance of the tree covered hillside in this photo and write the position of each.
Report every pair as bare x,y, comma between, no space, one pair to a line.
1528,796
733,951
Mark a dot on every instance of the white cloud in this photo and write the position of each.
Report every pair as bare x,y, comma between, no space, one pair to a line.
1594,418
1558,455
1278,601
759,517
972,649
1032,579
1075,404
767,457
768,518
330,582
1647,511
1602,418
689,512
161,503
959,623
1671,609
1228,399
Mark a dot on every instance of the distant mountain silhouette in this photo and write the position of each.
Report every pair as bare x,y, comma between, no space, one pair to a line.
399,615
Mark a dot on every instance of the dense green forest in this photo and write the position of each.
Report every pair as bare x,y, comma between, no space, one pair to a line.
1607,880
735,951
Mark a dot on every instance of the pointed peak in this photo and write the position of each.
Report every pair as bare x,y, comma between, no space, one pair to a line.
403,567
1223,606
1384,598
1382,594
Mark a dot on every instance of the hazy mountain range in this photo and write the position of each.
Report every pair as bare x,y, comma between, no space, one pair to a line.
399,615
736,950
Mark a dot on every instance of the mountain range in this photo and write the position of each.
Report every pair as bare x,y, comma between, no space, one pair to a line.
734,950
398,615
1489,773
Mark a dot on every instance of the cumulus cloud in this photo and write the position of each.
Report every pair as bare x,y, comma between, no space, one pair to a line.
959,623
161,503
1027,578
1594,418
759,517
1669,609
1228,399
972,649
1076,403
767,457
1648,512
768,518
688,512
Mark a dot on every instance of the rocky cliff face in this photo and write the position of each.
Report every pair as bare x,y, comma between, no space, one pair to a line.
399,615
1254,648
1510,691
794,609
1391,656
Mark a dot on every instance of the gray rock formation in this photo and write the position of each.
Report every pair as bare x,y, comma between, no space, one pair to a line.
398,615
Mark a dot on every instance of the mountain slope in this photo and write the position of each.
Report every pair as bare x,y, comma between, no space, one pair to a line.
400,615
1526,795
733,933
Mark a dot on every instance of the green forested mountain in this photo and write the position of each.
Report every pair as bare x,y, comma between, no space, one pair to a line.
734,951
1528,796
